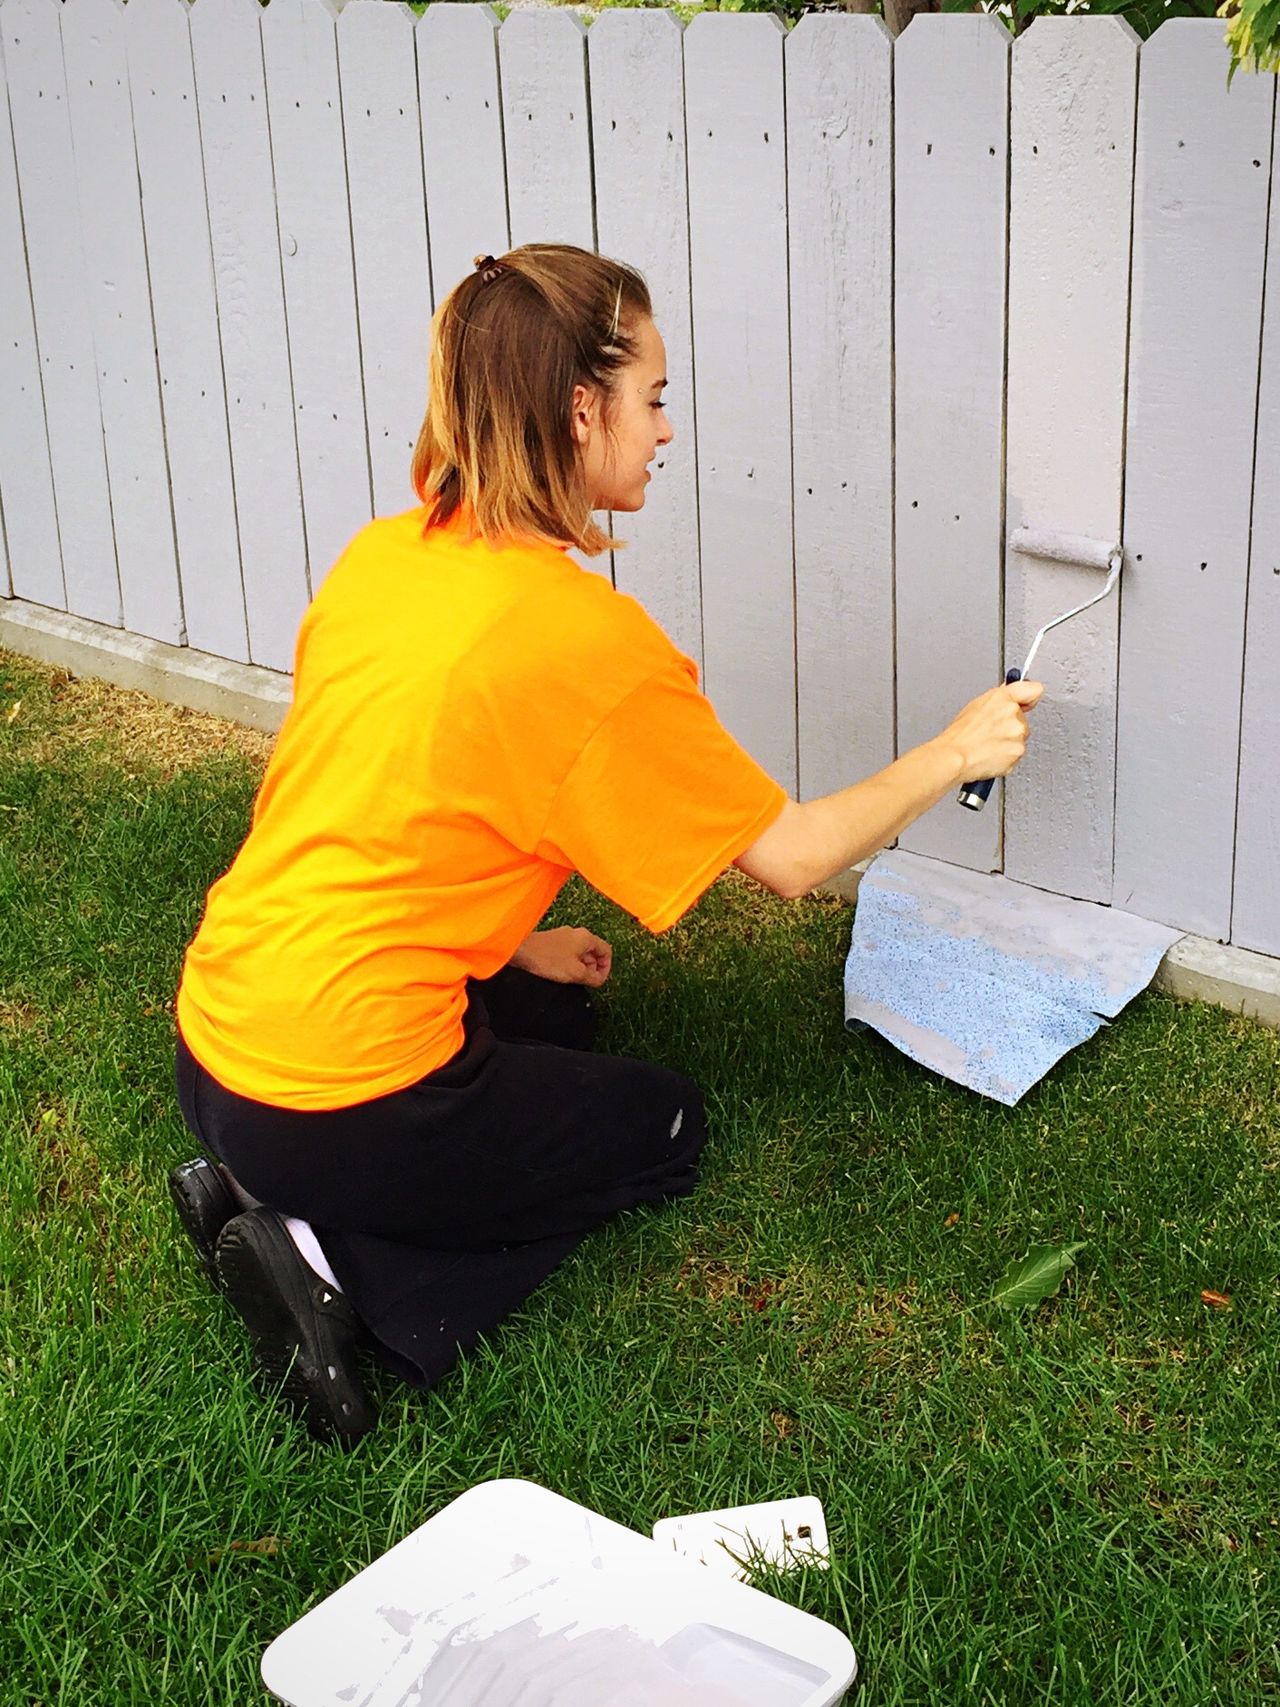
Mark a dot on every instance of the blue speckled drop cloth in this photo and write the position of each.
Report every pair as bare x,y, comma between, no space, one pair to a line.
987,981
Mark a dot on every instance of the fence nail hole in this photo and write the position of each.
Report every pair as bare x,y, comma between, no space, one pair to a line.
1204,566
915,503
844,484
1257,162
809,489
613,124
766,136
1182,145
928,148
1034,149
1138,558
670,138
991,151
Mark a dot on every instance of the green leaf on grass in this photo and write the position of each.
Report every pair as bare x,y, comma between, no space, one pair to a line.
1035,1277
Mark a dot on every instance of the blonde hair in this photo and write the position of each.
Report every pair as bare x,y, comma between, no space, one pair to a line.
508,346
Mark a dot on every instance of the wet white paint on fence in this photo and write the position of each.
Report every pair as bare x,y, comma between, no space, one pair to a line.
1071,190
216,272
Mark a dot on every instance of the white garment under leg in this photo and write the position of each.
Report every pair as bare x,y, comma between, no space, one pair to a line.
308,1248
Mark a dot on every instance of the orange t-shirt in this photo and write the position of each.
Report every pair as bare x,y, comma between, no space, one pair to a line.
470,725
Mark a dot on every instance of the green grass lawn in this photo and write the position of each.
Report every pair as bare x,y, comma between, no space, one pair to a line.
1078,1505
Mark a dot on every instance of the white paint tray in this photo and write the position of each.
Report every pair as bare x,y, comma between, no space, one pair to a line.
514,1597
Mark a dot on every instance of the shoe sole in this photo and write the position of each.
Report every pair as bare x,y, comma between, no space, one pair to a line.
306,1357
205,1204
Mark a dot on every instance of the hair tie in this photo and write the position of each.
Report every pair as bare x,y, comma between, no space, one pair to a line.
488,268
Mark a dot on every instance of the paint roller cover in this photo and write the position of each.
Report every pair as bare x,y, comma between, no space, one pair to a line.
1062,547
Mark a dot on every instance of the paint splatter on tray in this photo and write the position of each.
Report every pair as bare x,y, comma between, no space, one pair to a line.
984,980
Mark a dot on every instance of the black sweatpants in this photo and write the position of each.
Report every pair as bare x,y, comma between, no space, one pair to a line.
442,1206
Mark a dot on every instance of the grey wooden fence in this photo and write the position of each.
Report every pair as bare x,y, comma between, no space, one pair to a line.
914,294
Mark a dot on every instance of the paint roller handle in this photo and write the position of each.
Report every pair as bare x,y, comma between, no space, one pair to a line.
974,794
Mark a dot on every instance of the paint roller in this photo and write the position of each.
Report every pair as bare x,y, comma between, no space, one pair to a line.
1058,548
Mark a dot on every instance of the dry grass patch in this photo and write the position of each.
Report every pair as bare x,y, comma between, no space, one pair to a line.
49,715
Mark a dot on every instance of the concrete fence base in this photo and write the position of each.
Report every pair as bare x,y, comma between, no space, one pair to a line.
242,693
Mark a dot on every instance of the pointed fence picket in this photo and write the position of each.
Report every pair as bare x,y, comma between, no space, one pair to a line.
642,213
735,117
1071,216
1203,171
175,217
951,117
381,126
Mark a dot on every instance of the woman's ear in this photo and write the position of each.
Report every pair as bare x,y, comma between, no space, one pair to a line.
584,414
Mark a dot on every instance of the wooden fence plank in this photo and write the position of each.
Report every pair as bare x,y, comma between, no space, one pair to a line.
642,214
1255,918
26,479
542,60
1071,220
547,121
839,223
738,255
300,53
1200,200
461,107
951,81
184,306
377,61
240,191
55,258
118,304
